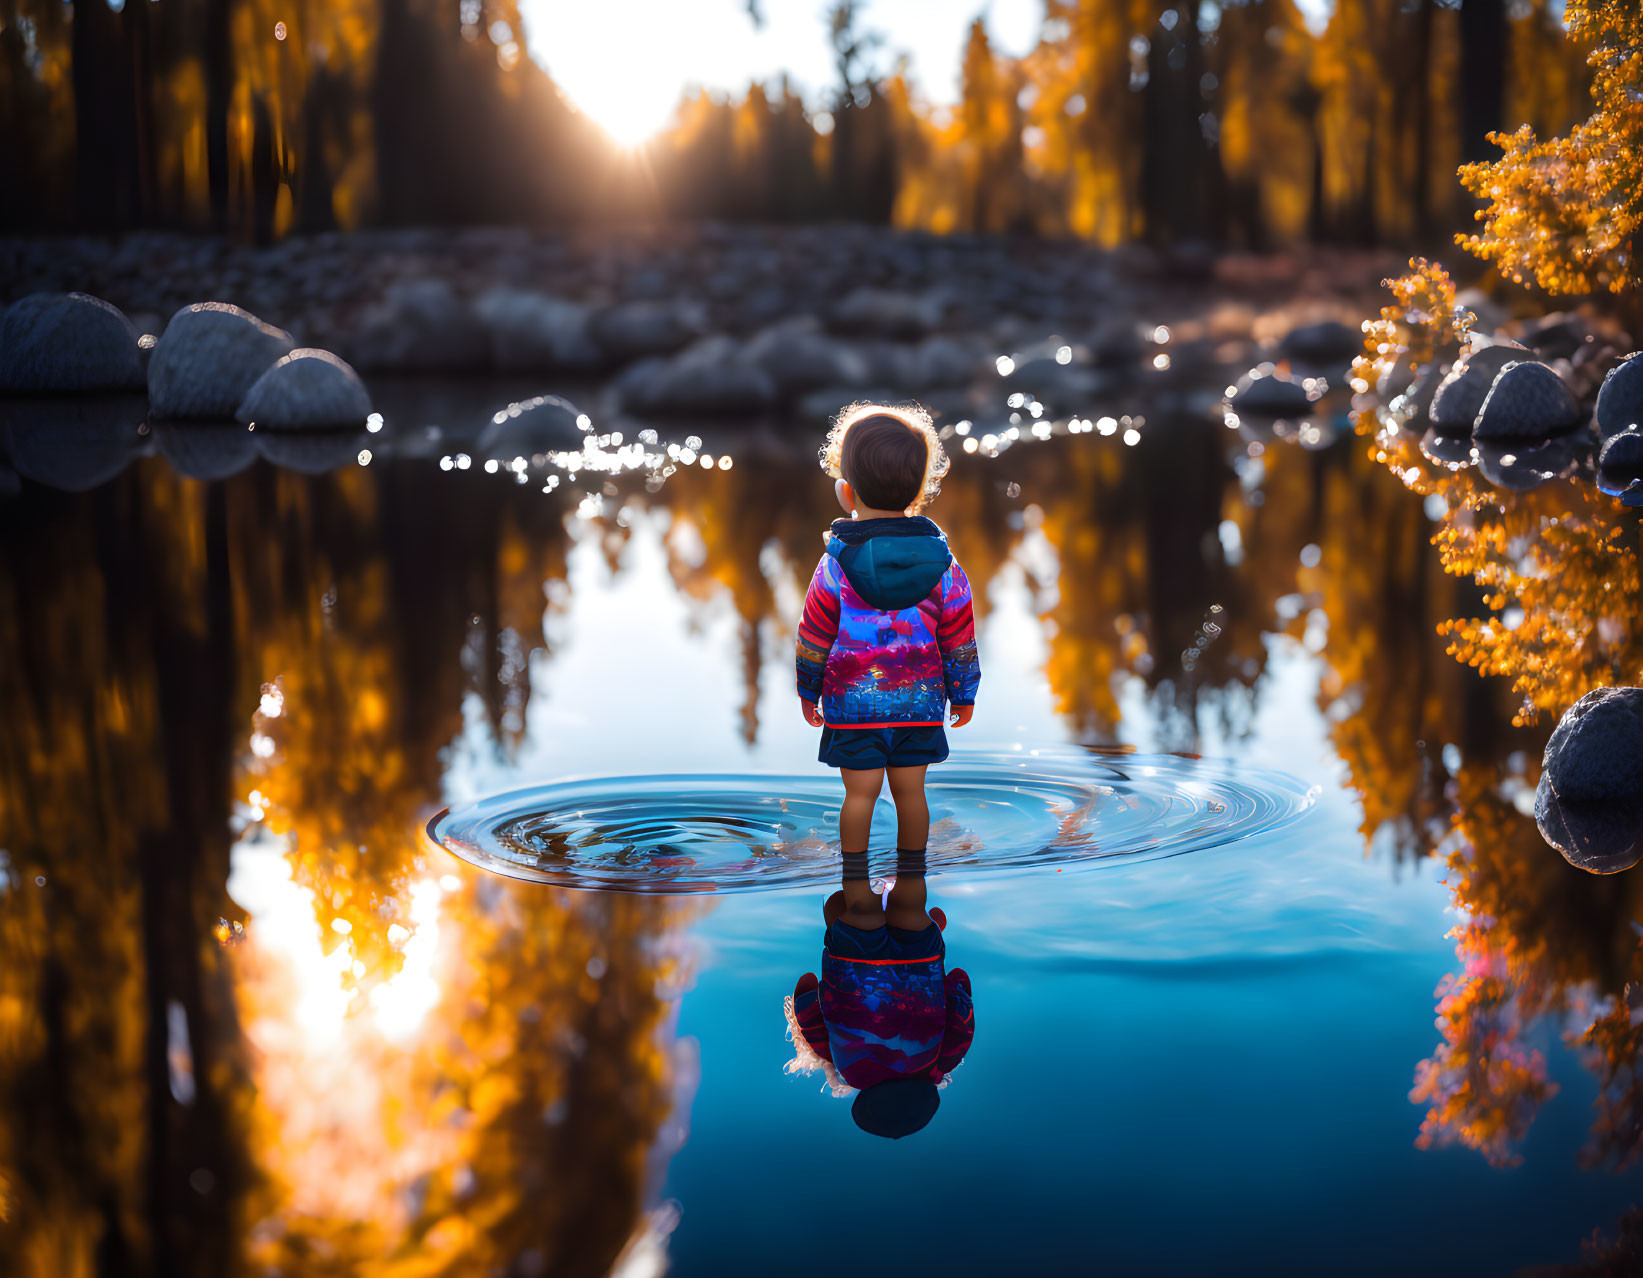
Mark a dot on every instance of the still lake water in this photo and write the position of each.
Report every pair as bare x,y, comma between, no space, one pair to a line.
254,1022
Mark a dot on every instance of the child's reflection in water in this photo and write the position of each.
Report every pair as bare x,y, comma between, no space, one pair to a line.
886,1017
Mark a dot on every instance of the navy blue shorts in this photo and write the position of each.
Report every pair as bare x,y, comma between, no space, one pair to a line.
863,749
884,943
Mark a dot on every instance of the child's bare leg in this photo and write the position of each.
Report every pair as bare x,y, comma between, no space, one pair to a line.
912,812
857,904
905,906
861,792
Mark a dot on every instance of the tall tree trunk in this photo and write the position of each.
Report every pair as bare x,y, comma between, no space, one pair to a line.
219,101
1420,192
1368,226
1482,75
315,211
141,57
104,136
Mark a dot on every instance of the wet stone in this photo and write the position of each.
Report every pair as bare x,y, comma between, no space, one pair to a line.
532,332
1271,396
1527,401
1620,398
1589,804
1596,750
1329,342
420,326
67,342
1457,399
884,313
631,330
798,357
307,389
1620,466
707,378
208,358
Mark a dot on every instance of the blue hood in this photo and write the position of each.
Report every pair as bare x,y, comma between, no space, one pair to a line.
891,563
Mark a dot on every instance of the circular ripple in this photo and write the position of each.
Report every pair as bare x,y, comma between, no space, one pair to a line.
750,832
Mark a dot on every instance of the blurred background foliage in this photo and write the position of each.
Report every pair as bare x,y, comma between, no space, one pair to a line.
1129,120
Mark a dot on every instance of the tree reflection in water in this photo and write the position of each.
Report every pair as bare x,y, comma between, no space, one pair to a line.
1555,592
398,1064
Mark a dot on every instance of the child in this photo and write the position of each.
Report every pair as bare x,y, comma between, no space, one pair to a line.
886,1017
887,639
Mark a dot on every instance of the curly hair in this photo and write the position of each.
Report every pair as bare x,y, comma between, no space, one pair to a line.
888,454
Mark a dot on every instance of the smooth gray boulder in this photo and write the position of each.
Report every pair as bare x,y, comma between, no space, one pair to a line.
1273,395
1458,397
798,357
1620,398
67,342
1557,336
420,326
705,379
1527,401
208,357
1329,342
532,332
1589,804
543,423
877,312
1063,385
1488,314
820,406
1115,344
634,330
308,389
944,361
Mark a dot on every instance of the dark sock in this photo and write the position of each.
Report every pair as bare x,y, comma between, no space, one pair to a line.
855,866
909,862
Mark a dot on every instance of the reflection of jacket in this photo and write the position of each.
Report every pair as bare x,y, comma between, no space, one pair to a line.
888,635
877,1020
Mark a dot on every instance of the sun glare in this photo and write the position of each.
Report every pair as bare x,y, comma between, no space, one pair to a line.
632,112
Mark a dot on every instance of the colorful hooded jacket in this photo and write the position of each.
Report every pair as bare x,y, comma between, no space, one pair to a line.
888,636
878,1019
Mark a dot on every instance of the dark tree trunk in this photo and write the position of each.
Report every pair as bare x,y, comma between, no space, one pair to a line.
1482,75
1420,192
105,141
1180,195
1368,225
141,60
265,172
404,79
315,211
219,100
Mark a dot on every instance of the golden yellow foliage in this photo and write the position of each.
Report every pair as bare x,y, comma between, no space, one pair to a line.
1563,213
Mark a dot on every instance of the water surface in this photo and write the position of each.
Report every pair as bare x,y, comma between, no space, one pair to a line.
258,1022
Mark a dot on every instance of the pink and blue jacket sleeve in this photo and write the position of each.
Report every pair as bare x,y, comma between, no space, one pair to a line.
961,1023
818,628
956,637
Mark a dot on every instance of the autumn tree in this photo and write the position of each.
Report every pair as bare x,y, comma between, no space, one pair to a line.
1564,212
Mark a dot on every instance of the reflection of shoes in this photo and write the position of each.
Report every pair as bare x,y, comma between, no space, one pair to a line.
807,982
940,916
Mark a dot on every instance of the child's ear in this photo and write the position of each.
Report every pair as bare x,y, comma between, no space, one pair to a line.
847,499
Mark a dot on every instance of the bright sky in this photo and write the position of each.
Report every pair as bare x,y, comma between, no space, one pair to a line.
626,63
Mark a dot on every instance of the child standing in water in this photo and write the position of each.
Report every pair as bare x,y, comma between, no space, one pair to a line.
887,639
886,643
